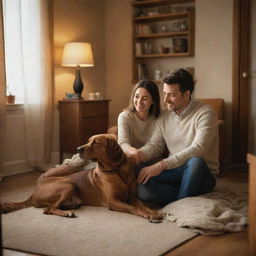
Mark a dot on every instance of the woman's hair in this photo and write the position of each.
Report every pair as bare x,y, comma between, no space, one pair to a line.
183,78
152,88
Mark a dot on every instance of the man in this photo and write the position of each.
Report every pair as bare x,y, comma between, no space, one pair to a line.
189,130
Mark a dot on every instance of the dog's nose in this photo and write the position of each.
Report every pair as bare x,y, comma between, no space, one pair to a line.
80,150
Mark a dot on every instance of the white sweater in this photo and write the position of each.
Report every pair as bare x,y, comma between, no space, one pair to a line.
134,132
194,133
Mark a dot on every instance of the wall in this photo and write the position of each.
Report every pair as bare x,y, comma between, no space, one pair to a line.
2,90
118,55
213,54
74,20
78,21
107,25
212,61
14,154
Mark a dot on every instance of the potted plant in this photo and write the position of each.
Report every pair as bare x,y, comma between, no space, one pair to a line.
10,97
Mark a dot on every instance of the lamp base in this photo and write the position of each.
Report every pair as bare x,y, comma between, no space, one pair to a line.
77,96
78,84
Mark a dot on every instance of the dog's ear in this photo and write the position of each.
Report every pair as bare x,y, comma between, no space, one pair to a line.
113,132
113,154
114,151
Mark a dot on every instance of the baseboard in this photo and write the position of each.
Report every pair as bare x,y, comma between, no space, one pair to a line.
9,168
15,167
235,167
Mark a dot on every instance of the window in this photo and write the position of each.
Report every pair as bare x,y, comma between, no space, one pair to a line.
13,49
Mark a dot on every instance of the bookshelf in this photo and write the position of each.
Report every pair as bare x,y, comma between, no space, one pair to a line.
161,29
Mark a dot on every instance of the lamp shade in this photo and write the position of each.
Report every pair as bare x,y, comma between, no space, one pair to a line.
77,54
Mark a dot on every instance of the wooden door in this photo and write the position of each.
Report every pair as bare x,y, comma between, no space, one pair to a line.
240,89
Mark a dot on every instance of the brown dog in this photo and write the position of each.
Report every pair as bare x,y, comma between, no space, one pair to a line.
112,183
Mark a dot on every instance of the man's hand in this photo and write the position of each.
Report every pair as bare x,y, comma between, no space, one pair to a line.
136,156
151,171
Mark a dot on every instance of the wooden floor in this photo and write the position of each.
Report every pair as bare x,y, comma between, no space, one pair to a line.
230,244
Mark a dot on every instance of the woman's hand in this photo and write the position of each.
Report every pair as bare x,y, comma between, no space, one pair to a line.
150,171
136,156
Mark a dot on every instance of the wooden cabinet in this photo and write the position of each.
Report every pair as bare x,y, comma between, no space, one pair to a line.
161,29
79,120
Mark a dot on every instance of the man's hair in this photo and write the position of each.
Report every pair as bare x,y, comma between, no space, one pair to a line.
152,88
182,77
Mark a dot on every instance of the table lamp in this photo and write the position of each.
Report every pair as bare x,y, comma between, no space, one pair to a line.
77,54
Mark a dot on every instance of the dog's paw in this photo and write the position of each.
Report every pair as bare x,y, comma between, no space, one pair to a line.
155,217
155,220
70,215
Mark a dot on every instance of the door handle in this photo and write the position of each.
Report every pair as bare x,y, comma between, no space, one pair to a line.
244,75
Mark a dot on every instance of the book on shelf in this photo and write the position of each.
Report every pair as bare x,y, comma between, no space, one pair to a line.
142,29
138,49
143,48
142,71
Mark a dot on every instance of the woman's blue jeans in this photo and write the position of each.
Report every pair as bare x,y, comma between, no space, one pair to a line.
192,179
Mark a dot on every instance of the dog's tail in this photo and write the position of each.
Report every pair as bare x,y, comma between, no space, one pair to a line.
13,206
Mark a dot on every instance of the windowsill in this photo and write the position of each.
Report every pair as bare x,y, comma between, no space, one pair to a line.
12,107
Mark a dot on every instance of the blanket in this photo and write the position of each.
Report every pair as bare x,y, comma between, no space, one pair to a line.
223,210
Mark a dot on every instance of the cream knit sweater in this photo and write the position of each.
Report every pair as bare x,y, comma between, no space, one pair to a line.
193,133
134,132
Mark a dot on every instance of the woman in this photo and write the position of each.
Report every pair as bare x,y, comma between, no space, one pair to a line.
136,123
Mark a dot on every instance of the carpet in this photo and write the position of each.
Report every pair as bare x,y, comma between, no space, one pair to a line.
96,231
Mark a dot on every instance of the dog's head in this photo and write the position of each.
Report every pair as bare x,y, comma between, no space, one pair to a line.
104,149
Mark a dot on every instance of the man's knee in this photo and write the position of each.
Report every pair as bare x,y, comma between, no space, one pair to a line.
197,160
197,164
197,167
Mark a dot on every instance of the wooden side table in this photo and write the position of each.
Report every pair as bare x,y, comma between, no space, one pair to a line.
251,159
79,120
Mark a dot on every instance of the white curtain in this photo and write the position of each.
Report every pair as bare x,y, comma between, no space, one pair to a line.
37,69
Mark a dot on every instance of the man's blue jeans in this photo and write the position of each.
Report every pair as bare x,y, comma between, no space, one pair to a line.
192,179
